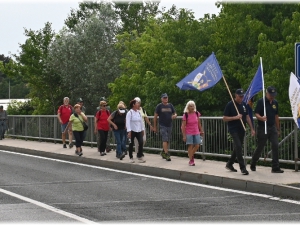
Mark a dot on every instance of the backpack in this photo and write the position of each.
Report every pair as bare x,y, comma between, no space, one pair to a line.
99,113
69,106
187,115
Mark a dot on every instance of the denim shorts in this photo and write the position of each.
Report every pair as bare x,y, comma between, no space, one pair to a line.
63,127
193,139
166,133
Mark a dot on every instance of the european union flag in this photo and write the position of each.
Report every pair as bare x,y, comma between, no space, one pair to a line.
203,77
255,87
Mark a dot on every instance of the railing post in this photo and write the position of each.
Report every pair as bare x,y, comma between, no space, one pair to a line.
26,133
55,128
203,141
14,126
40,131
296,146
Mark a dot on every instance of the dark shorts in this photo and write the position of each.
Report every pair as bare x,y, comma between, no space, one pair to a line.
166,133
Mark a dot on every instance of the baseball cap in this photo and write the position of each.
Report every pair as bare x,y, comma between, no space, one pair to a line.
239,92
137,99
1,106
79,100
271,90
164,95
103,99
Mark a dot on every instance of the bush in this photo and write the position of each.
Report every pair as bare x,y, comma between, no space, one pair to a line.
20,108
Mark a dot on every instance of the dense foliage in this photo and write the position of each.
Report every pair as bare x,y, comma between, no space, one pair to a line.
124,50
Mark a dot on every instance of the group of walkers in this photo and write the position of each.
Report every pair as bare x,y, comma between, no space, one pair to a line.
130,125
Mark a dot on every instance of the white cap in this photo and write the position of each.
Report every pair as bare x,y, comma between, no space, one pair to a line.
137,99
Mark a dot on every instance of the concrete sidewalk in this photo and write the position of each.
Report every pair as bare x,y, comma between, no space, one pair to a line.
205,172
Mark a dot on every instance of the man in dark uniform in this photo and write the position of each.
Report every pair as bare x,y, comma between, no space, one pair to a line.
273,129
236,129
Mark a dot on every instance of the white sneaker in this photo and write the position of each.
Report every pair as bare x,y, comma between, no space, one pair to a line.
131,160
141,160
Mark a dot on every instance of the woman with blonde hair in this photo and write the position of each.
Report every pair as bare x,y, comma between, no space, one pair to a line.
191,129
76,121
117,120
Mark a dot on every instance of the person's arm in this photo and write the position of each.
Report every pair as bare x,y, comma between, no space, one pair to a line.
128,124
155,122
95,124
84,117
200,127
277,123
174,113
231,118
111,122
250,125
58,115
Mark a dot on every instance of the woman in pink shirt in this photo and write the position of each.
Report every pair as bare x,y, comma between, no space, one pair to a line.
191,129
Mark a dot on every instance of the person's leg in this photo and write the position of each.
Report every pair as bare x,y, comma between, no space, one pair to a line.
123,140
117,134
136,145
133,135
98,141
139,137
84,134
108,140
70,132
102,142
273,138
77,141
4,128
261,141
237,151
1,129
63,135
164,137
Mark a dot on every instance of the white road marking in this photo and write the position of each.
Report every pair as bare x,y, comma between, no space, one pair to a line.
48,207
270,197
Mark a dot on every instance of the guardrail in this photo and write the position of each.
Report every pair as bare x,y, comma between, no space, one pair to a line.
216,141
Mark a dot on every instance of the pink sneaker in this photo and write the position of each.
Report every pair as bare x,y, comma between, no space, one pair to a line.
191,163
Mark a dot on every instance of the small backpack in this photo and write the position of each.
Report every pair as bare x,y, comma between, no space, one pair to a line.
187,115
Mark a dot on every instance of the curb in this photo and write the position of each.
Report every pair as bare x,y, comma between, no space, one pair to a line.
281,191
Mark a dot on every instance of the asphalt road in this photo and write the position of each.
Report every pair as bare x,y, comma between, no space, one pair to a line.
101,195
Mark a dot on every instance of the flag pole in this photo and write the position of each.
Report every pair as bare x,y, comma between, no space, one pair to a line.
263,84
233,101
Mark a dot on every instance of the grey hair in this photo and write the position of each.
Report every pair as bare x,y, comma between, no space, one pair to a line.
186,109
66,98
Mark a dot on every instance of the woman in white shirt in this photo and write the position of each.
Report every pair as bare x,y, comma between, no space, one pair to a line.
135,128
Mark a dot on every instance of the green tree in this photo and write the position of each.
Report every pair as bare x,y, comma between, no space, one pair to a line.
86,57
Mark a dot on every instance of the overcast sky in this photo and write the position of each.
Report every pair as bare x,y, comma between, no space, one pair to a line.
15,15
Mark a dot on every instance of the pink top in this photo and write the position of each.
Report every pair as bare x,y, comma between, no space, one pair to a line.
192,123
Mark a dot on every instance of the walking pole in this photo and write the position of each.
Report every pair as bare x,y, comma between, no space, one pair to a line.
263,84
233,102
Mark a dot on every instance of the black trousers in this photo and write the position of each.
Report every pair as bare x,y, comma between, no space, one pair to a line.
272,136
78,138
103,139
139,137
238,139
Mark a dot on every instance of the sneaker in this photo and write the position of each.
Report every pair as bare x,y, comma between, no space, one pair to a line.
191,163
230,167
193,160
277,170
122,156
102,153
71,145
131,160
64,146
163,154
252,167
80,154
168,157
244,171
141,160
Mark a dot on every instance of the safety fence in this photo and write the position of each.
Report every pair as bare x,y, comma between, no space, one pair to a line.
216,141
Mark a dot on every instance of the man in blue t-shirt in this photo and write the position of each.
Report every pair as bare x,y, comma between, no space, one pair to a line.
166,113
235,128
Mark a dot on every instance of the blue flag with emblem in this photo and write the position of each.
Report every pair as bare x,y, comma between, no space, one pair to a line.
255,87
203,77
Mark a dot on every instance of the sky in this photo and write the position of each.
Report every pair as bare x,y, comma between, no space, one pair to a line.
15,15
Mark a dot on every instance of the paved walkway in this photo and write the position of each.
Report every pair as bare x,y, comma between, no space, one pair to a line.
206,172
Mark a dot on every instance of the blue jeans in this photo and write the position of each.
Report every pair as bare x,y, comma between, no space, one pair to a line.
120,136
2,128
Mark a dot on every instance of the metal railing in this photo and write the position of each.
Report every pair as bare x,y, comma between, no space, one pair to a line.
216,142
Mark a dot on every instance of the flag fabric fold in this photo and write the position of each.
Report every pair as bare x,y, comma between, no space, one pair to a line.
256,86
294,95
203,77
